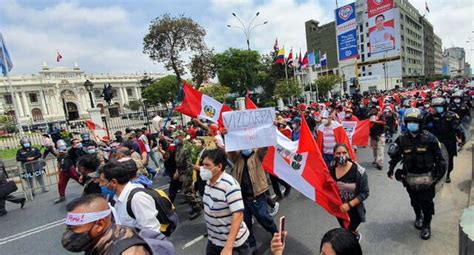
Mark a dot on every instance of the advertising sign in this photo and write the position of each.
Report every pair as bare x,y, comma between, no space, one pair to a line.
382,32
346,32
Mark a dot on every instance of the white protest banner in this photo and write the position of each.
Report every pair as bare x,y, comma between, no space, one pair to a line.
350,127
249,129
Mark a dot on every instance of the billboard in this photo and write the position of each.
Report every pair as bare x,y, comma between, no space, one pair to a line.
382,29
346,32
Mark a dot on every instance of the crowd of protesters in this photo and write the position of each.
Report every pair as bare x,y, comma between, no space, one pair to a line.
230,189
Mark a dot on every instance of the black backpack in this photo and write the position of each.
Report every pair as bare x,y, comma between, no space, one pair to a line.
166,210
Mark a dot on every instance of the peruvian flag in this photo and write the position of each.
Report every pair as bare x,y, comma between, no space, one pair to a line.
357,131
58,56
300,164
340,136
249,104
197,105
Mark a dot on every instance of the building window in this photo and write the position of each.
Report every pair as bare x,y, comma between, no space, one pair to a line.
129,92
33,97
361,28
361,38
8,99
363,68
370,73
362,48
97,93
363,57
366,24
368,55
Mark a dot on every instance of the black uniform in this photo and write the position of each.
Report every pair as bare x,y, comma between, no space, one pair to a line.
460,109
446,127
420,154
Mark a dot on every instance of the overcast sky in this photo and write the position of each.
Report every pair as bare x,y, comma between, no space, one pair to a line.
106,36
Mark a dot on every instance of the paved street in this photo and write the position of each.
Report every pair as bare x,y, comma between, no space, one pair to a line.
37,228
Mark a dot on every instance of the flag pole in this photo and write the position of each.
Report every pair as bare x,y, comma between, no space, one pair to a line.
10,87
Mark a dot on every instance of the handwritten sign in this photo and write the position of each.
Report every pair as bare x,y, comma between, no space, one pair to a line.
249,129
350,127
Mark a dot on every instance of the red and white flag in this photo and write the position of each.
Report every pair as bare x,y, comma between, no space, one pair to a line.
197,105
301,164
249,104
92,126
357,131
58,56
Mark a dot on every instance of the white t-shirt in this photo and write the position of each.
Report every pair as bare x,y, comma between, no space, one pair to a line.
385,35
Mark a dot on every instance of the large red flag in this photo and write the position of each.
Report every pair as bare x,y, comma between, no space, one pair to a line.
195,104
92,126
357,131
249,104
301,164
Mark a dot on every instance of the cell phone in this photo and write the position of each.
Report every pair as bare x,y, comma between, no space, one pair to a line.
282,228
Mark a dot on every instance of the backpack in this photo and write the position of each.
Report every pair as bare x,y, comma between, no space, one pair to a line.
155,243
166,210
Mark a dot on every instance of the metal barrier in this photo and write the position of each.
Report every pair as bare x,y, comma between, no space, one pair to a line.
36,175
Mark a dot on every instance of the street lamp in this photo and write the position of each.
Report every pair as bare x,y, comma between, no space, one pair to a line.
247,30
144,83
89,87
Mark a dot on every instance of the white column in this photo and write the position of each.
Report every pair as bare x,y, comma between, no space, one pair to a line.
43,104
137,93
26,109
85,103
18,102
122,99
125,95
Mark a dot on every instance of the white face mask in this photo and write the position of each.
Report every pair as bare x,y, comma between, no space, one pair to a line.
457,101
205,173
325,121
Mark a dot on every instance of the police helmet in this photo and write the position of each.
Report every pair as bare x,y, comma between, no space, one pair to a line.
128,130
60,143
457,94
393,149
85,136
25,140
413,115
439,101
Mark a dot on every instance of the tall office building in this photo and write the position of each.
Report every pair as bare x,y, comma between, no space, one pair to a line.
438,55
428,49
322,39
454,62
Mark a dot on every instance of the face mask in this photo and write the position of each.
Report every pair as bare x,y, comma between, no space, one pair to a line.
325,121
439,109
427,106
118,137
177,141
246,152
295,126
348,116
26,145
457,101
205,174
413,127
340,160
75,242
78,146
91,151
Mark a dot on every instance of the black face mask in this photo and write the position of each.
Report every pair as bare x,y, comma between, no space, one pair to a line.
77,242
340,160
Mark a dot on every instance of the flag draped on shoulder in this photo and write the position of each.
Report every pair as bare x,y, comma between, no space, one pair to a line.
301,164
5,60
249,104
280,59
197,105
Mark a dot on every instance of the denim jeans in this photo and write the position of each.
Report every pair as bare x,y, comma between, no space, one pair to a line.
257,207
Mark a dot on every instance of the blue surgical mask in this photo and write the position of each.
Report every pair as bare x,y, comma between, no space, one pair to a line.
439,109
413,127
177,141
26,145
247,152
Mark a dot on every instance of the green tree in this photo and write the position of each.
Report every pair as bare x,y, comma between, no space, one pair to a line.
287,90
134,105
7,123
237,68
168,37
161,91
269,74
216,91
326,83
202,67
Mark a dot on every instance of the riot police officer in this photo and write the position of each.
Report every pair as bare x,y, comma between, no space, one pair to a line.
458,106
445,125
423,167
184,172
28,156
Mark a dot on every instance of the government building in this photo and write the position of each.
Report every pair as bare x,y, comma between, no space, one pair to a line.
59,94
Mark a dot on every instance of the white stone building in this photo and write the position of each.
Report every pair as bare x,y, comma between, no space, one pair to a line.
58,94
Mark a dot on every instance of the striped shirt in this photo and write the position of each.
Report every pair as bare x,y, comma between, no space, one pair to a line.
329,140
220,201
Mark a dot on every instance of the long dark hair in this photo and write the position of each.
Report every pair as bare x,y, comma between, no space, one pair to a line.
342,241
